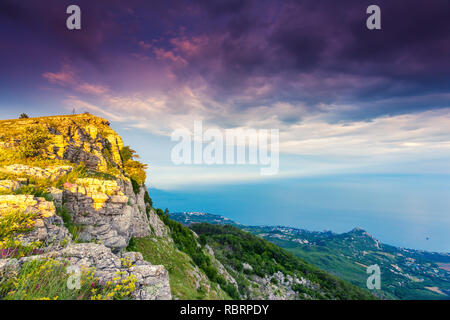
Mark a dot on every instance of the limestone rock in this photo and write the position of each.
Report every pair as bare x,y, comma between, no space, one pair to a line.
77,138
108,210
152,280
49,173
49,227
9,185
57,195
158,227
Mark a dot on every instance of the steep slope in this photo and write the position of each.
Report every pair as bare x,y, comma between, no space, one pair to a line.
405,273
187,280
263,270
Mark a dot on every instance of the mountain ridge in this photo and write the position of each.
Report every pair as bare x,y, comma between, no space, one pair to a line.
348,253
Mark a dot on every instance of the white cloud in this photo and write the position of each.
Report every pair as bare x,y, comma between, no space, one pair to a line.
311,134
400,143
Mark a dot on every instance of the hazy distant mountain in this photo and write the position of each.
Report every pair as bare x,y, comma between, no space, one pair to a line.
197,217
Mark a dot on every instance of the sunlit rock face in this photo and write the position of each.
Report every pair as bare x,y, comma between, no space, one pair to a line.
70,174
108,210
106,206
48,227
79,139
49,173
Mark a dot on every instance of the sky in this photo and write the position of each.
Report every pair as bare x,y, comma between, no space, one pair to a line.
346,100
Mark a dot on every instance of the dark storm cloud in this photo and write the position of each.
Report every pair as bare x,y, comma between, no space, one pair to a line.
319,40
252,53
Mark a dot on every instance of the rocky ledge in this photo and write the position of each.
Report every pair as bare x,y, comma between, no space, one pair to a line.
152,281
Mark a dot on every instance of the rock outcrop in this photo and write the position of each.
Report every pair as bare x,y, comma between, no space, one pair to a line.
49,173
82,173
49,227
152,281
78,139
108,210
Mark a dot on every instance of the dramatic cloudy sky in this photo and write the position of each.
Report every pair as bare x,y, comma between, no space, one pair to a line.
346,100
334,89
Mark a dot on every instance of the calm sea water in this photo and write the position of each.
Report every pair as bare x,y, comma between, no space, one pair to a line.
404,210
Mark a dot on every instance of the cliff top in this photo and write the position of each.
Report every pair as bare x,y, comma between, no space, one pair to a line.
81,116
73,139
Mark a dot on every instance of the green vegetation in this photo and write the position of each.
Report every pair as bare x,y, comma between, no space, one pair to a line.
39,186
234,247
35,190
133,168
11,156
47,279
13,224
406,273
183,274
186,241
348,255
148,203
78,172
346,268
33,142
32,148
74,229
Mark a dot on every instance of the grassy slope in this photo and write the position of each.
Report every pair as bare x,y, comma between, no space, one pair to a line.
183,273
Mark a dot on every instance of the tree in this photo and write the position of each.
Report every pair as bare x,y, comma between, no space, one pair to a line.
23,116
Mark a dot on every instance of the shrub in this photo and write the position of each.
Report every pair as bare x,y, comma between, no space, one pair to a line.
127,154
148,204
136,186
33,142
134,169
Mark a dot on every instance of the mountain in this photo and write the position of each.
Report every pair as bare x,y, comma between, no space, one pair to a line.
262,270
405,273
77,222
187,218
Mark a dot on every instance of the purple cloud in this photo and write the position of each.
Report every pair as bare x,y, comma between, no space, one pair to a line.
242,55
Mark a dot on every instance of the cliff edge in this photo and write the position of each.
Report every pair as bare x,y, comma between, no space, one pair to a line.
71,191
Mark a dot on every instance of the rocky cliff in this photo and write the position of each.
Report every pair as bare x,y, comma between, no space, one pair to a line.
83,196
